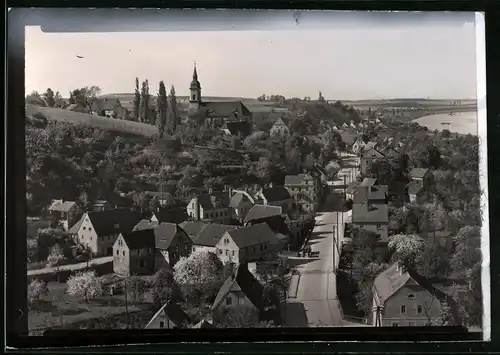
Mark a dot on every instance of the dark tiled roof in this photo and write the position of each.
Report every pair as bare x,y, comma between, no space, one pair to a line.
144,224
388,282
276,193
230,109
211,234
174,312
414,187
114,221
298,179
74,229
243,281
105,104
363,194
171,215
192,228
237,127
239,199
349,138
370,213
369,182
62,206
373,153
203,324
261,211
252,235
209,201
139,239
418,173
165,234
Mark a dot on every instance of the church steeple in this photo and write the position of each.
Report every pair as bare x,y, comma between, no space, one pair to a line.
195,91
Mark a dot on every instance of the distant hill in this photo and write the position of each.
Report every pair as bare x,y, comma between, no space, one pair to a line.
110,124
405,103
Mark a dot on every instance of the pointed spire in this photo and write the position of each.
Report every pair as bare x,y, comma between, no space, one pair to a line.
195,73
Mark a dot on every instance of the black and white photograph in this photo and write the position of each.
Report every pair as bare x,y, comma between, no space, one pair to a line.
314,169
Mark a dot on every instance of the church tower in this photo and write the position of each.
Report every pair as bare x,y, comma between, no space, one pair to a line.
195,91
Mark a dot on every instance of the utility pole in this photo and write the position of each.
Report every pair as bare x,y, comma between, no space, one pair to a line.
126,301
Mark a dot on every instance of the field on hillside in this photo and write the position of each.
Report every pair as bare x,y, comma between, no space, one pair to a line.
110,124
408,103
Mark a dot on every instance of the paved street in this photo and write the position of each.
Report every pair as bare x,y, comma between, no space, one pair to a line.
316,303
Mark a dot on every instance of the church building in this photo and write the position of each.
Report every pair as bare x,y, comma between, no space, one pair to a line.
218,114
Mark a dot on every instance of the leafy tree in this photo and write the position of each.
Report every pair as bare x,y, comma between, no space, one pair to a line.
49,97
433,261
35,99
162,109
164,288
364,244
173,111
86,284
137,287
238,317
364,297
199,268
36,289
137,100
85,96
406,247
145,98
55,258
320,97
467,250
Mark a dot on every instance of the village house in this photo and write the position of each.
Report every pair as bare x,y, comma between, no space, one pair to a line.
101,205
212,206
238,128
369,190
77,108
304,190
373,218
275,196
280,128
368,158
246,244
349,137
286,229
169,316
107,107
240,202
169,215
171,244
203,324
163,198
358,146
208,237
192,228
240,289
402,297
99,229
416,189
133,253
65,213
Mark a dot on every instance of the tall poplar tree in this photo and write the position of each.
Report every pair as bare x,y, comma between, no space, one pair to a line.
144,109
137,100
162,109
173,113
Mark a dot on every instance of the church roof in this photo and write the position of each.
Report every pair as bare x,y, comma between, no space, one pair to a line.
234,109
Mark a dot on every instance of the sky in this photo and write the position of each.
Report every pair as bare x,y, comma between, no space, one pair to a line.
344,55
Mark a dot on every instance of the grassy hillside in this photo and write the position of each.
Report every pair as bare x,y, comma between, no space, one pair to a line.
110,124
401,103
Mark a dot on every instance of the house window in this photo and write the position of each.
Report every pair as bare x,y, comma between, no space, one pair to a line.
220,251
162,324
403,309
90,229
141,263
117,252
124,253
229,301
227,252
84,228
411,296
234,252
379,226
419,309
194,249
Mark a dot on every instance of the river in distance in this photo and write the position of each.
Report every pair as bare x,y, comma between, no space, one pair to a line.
459,122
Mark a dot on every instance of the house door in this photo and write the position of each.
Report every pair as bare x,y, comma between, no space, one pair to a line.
109,251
